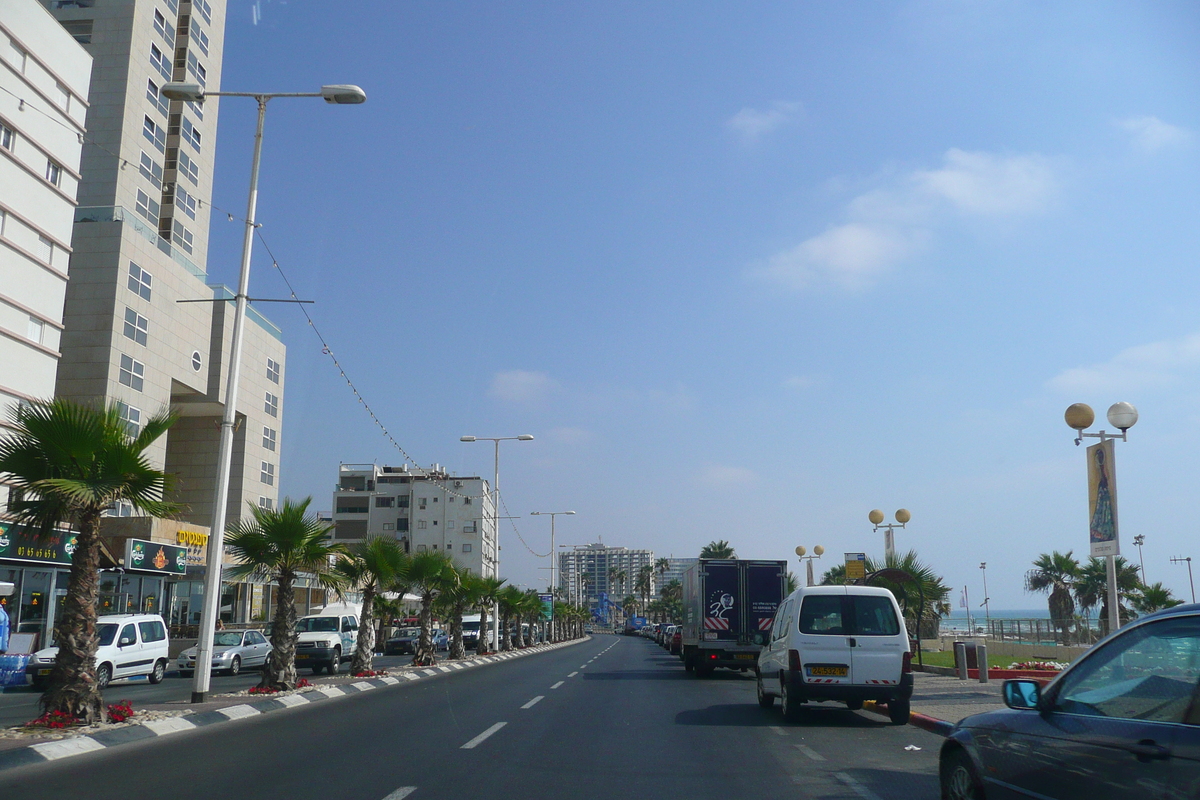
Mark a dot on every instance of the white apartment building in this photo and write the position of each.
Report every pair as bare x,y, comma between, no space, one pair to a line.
588,570
140,246
674,571
44,77
424,509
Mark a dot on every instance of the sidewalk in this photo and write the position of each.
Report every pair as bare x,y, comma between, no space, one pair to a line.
951,699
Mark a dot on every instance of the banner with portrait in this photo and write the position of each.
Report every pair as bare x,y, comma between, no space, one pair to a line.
1102,500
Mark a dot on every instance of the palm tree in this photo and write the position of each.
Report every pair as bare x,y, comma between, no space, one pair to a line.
630,606
718,549
645,581
509,599
1154,597
1056,573
278,545
672,595
429,574
661,565
793,583
1091,588
928,588
484,592
377,564
835,575
532,607
66,463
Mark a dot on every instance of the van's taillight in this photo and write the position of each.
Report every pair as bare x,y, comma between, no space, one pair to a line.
794,660
907,662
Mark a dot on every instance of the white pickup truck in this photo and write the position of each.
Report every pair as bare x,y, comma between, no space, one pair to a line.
327,638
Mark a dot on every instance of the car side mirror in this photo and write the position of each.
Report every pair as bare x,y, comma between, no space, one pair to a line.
125,642
1022,694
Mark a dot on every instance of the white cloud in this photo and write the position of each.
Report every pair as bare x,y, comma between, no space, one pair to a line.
522,386
1151,134
751,123
1147,366
889,223
850,255
571,436
722,475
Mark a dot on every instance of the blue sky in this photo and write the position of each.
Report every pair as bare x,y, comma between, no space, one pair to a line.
745,271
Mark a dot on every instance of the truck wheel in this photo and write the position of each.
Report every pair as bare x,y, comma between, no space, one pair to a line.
764,700
898,711
335,663
854,705
791,708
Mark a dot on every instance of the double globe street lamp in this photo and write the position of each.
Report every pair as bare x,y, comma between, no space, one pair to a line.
889,536
818,551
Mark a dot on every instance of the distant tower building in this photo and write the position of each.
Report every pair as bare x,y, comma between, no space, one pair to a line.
675,569
588,570
140,247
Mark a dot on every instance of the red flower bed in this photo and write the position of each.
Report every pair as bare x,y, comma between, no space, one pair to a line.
119,712
263,690
371,673
1004,674
303,682
54,719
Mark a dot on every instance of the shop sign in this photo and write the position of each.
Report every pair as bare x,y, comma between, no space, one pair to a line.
191,538
154,557
19,545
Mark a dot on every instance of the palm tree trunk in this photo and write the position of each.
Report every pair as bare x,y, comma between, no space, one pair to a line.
364,650
425,655
73,687
481,647
280,670
456,643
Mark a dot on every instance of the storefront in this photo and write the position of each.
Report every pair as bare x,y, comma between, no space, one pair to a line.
39,569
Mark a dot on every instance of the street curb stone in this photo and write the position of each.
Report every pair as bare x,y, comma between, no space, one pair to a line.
43,752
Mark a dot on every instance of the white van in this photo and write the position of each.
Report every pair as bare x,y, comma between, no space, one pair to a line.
846,643
327,638
130,645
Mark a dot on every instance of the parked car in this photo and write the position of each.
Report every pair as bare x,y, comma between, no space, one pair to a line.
676,647
441,640
1119,722
326,640
232,652
845,643
129,645
402,642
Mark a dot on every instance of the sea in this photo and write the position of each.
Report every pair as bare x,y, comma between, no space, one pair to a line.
957,621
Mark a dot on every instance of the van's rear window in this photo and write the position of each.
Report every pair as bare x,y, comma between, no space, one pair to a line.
848,615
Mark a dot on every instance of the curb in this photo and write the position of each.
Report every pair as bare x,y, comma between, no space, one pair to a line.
932,724
140,731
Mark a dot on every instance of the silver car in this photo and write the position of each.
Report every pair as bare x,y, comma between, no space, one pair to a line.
233,651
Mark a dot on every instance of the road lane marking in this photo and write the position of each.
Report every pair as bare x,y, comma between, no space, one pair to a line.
534,701
573,674
401,793
808,751
471,745
560,683
856,787
779,730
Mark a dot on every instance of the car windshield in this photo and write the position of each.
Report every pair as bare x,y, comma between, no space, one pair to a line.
106,633
318,624
227,638
470,626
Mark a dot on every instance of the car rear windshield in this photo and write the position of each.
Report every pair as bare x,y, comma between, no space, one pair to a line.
848,615
318,624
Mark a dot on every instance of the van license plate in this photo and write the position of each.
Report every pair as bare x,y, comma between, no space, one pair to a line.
828,672
302,656
42,672
745,656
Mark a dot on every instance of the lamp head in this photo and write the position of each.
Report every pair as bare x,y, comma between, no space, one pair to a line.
876,516
525,437
187,92
343,94
466,438
903,516
568,512
1122,415
800,551
819,550
1079,416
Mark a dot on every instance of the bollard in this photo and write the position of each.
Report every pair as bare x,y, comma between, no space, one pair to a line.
960,656
981,653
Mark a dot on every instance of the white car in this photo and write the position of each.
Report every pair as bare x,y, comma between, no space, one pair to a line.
844,643
232,652
325,641
130,645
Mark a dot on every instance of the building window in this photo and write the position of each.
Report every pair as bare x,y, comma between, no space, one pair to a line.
182,237
160,62
36,331
190,134
155,134
266,502
269,438
271,404
421,524
19,56
188,169
421,502
466,501
199,37
267,474
387,526
160,25
139,281
186,203
121,508
402,524
80,29
403,501
147,207
53,173
204,8
132,373
466,548
6,137
421,548
132,417
45,250
196,68
197,361
450,525
136,326
155,97
151,170
385,502
272,370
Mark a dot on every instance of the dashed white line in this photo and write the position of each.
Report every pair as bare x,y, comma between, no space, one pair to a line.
779,730
534,701
401,793
573,674
471,745
808,751
856,787
560,683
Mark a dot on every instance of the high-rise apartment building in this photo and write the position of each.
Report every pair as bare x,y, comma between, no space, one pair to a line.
586,571
134,332
426,510
674,571
44,78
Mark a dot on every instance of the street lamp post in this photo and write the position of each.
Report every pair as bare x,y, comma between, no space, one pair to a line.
1140,540
525,437
889,540
818,551
1103,525
987,608
1188,559
553,558
193,93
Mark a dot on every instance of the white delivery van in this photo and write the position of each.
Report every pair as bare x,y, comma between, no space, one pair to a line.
844,643
129,645
327,638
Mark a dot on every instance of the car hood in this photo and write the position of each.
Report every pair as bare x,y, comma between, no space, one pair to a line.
317,636
1000,718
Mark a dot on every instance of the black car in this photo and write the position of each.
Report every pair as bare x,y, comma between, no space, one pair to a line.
402,642
1121,722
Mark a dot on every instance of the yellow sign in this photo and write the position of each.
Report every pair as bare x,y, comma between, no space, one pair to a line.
856,566
191,538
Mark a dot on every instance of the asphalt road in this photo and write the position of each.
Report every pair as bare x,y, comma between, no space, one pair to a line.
609,719
18,705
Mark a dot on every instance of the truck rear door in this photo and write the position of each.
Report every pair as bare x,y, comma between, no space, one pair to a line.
721,602
763,584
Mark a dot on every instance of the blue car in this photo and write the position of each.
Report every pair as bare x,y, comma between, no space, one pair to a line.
1121,722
